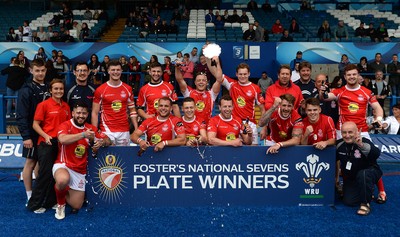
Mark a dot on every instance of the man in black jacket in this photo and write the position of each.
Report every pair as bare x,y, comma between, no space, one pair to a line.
16,78
29,96
357,156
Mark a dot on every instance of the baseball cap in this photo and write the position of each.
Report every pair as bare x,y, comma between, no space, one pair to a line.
299,52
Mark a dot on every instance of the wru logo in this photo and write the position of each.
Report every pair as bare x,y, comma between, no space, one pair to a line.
312,169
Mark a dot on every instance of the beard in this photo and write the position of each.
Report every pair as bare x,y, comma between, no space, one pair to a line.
79,124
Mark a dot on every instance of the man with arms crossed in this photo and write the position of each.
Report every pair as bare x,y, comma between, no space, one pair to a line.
112,99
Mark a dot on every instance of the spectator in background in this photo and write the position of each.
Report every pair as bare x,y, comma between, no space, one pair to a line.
50,31
135,67
163,28
61,67
187,69
56,37
234,17
67,38
305,5
26,32
179,57
125,69
392,123
173,28
12,36
210,17
176,15
264,82
361,31
51,72
294,27
42,35
378,64
249,34
341,32
244,18
194,57
87,15
78,27
336,83
41,54
23,61
19,33
168,71
252,5
94,68
324,32
277,27
298,59
344,61
286,37
104,68
295,73
266,6
259,37
380,88
394,79
85,33
225,17
382,34
131,21
363,66
68,17
372,32
219,23
15,79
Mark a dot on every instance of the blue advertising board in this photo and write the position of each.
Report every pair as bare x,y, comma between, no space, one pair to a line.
185,176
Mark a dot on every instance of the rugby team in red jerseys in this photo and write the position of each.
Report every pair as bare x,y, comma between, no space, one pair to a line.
155,120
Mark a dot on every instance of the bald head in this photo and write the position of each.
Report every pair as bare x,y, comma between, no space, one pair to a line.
349,132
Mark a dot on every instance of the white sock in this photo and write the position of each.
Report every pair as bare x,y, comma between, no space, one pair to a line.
28,194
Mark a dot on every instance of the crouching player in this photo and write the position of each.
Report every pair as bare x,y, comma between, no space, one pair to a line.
69,170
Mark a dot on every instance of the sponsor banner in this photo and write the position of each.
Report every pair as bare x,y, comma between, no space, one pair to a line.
11,154
389,146
185,176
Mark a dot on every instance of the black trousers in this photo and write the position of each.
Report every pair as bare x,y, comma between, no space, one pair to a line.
360,189
43,194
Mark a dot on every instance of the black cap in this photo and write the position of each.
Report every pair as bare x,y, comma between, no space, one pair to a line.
299,52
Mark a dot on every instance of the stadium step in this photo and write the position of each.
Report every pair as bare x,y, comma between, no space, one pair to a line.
115,31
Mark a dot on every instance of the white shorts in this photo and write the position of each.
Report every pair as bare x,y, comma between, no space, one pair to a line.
77,180
363,134
119,138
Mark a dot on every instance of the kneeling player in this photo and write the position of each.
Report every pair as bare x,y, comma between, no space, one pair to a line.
69,169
